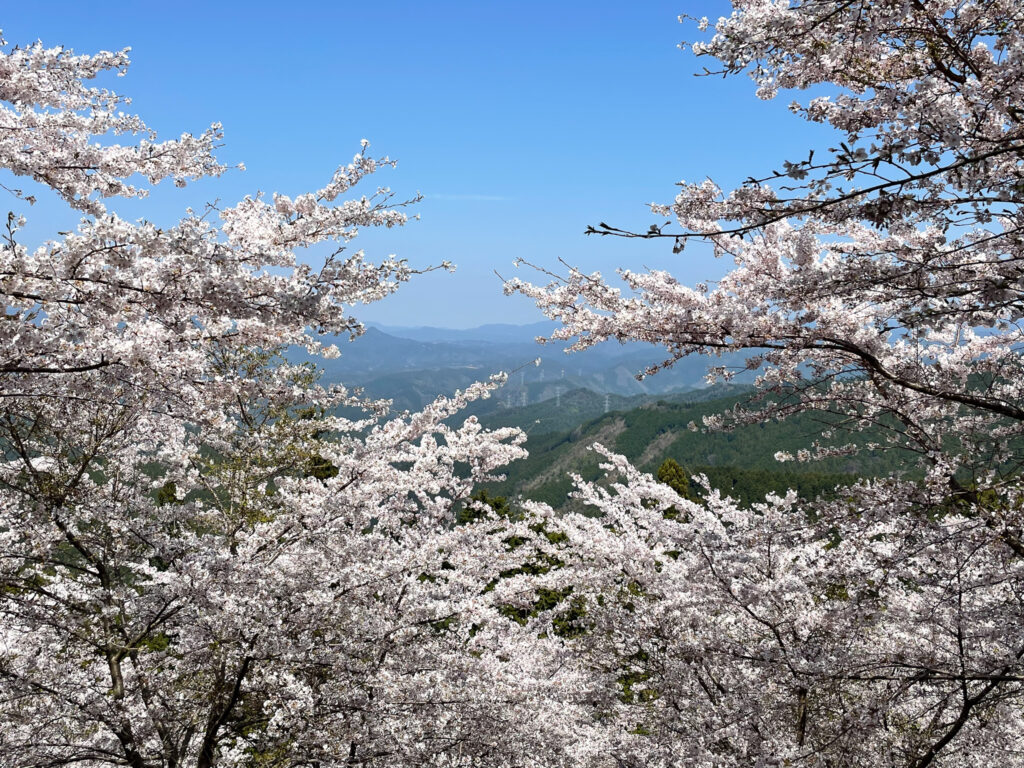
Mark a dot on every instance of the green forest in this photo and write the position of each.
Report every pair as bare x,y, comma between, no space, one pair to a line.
740,462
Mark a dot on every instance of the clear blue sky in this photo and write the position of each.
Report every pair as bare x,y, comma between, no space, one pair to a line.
520,122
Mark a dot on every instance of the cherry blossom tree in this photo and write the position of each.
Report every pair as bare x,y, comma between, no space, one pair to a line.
206,558
879,285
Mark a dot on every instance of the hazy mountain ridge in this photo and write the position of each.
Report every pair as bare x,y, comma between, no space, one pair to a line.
426,362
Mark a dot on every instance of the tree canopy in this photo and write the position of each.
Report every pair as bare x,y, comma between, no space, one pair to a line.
879,284
202,563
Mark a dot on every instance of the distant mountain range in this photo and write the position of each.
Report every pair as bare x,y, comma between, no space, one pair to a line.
571,401
412,366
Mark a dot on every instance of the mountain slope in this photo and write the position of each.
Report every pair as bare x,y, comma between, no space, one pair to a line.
741,462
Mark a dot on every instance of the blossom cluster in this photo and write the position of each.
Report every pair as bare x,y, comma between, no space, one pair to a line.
880,288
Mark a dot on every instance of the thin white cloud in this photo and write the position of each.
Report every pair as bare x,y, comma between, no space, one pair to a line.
470,196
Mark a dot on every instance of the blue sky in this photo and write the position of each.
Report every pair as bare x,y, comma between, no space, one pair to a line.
520,123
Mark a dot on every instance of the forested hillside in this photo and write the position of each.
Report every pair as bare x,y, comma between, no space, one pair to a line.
740,462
